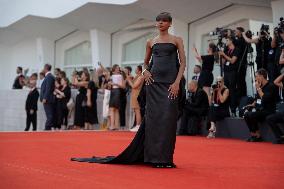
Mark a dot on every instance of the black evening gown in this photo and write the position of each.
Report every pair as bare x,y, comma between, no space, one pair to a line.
80,107
155,140
91,112
206,76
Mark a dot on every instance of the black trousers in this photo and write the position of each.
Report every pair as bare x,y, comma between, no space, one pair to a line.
31,119
49,112
253,118
122,109
190,123
65,116
230,80
273,120
218,113
241,83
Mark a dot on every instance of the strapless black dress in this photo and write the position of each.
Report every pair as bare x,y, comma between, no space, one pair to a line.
156,137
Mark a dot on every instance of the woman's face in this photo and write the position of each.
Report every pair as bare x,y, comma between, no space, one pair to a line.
83,77
117,70
63,82
163,25
220,83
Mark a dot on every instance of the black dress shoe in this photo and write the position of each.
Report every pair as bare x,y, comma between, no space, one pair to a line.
278,141
257,139
250,139
164,165
254,139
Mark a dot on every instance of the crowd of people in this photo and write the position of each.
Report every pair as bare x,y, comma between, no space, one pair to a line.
55,93
228,96
205,100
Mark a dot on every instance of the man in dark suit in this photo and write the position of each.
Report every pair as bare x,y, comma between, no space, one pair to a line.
196,106
47,97
196,71
31,106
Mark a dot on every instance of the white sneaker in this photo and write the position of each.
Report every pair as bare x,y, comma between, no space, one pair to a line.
211,135
135,129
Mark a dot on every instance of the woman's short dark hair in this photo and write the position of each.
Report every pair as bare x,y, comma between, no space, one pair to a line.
164,16
114,67
62,74
139,68
128,68
20,68
241,29
213,47
262,72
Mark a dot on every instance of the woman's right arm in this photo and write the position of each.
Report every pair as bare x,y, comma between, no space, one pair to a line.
223,97
248,40
146,73
197,55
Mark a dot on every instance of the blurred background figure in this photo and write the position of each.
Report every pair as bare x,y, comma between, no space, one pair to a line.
81,81
136,85
196,72
19,80
91,109
220,105
31,106
117,83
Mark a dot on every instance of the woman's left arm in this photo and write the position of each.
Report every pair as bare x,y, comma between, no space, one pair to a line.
181,53
174,88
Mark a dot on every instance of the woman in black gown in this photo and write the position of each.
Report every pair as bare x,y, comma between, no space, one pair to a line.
81,81
91,109
154,142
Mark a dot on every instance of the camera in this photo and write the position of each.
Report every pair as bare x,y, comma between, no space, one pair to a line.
264,29
279,29
216,85
249,34
222,32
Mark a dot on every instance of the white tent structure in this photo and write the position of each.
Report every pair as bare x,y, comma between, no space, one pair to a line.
34,32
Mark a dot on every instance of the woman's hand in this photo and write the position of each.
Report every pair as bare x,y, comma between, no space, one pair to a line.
89,104
173,89
148,77
221,53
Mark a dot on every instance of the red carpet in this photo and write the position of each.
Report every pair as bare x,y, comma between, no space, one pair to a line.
41,160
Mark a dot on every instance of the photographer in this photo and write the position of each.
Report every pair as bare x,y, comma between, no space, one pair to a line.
277,43
243,46
206,76
263,47
230,60
220,106
278,117
195,107
265,104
